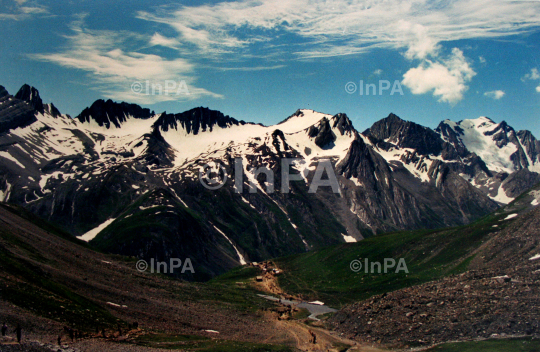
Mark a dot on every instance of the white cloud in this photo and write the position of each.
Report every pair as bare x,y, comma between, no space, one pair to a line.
421,45
481,59
445,78
495,94
306,29
113,67
533,75
378,72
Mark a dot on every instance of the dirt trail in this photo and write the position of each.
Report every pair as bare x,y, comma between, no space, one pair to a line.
299,333
325,340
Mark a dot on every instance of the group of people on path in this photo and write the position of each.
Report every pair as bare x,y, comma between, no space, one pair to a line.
72,333
17,331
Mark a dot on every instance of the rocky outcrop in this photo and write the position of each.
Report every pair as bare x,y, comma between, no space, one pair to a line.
531,144
406,134
196,120
31,96
109,113
322,133
14,113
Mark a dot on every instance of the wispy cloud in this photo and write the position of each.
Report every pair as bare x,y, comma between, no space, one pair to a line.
14,10
342,27
247,69
113,65
495,94
275,31
158,39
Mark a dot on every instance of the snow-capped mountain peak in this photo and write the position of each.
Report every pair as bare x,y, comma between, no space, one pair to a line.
495,143
301,120
114,159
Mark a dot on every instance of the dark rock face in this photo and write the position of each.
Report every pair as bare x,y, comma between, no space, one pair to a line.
107,113
519,182
324,137
406,134
531,144
196,120
51,110
392,196
31,96
343,124
504,135
15,113
455,147
158,152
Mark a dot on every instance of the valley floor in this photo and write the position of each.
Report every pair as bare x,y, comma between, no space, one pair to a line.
48,282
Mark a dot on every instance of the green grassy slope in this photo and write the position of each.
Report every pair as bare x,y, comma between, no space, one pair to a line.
66,281
429,255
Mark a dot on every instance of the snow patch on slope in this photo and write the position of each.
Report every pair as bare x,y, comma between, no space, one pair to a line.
536,195
511,216
395,155
300,141
11,158
95,231
348,239
501,196
4,195
240,256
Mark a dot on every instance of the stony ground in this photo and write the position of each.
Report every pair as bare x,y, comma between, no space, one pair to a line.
500,298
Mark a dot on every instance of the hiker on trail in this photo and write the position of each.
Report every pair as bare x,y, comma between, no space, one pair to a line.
59,340
4,329
71,334
18,331
313,337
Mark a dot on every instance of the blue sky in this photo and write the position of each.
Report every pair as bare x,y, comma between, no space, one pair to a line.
261,60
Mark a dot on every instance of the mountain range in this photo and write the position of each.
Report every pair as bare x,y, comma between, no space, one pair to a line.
128,179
